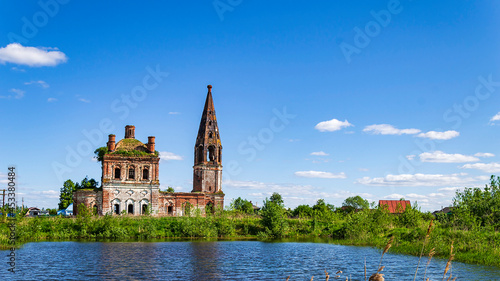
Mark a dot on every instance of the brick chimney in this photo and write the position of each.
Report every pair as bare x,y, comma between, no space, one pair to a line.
130,132
151,144
111,143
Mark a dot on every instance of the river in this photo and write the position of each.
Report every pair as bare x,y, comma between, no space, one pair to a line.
218,260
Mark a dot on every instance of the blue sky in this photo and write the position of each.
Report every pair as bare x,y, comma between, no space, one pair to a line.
331,99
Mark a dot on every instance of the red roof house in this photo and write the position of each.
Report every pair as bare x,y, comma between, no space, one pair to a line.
395,206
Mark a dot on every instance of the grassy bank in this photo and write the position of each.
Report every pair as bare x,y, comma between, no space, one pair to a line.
367,228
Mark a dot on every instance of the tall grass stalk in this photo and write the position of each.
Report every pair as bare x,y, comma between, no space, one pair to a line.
423,246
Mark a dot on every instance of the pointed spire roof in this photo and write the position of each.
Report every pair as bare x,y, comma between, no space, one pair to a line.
209,103
208,133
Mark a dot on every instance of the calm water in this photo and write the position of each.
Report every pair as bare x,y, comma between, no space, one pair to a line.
219,260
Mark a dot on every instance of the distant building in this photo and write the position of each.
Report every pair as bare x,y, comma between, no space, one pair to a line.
130,175
395,206
33,212
445,210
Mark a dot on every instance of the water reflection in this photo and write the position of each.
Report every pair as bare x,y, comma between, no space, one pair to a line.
217,260
127,261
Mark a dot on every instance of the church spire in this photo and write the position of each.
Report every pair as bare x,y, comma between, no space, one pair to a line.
208,132
208,151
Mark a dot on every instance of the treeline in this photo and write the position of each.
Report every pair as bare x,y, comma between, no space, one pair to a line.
473,225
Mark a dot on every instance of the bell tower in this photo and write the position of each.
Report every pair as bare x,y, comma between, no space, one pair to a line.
207,169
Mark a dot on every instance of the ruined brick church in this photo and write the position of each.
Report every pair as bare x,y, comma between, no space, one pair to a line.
130,175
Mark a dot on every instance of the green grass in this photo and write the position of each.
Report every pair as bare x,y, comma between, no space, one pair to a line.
480,246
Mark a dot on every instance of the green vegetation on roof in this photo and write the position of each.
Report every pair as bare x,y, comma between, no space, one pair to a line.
130,144
133,153
101,151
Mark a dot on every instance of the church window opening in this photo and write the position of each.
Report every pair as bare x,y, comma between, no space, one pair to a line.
210,135
144,209
170,210
131,209
145,174
117,173
117,209
211,154
131,173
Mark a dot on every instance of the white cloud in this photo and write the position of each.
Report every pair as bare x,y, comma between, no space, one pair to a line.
441,157
386,129
411,157
450,189
332,125
485,167
484,154
34,197
51,99
319,174
363,169
495,118
19,94
174,113
421,180
84,100
165,155
433,135
293,195
319,153
3,178
41,83
31,56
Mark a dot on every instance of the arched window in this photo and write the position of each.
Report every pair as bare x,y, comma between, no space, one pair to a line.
117,209
170,210
144,209
118,171
131,173
210,135
145,174
211,153
200,154
130,208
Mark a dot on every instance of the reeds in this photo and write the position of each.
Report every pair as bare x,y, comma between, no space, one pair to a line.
387,247
448,264
377,276
429,229
431,254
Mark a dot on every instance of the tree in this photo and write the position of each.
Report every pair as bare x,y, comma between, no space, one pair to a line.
302,211
476,206
273,216
356,202
170,189
87,183
242,206
276,198
66,195
100,152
